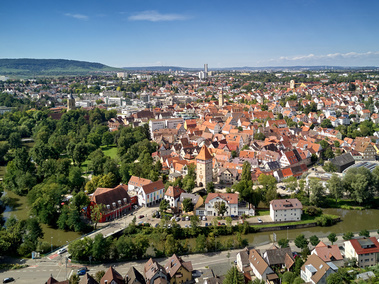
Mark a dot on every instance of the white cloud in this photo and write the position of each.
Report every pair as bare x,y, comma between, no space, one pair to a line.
77,16
309,57
154,16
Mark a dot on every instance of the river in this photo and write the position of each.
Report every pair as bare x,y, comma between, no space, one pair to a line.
18,207
352,220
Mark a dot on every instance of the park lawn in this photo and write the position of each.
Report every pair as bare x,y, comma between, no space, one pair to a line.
343,203
110,151
262,212
305,219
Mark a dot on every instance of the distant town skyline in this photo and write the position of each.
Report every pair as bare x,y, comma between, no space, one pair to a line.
189,34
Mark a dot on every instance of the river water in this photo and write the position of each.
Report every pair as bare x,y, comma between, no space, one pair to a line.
352,220
18,207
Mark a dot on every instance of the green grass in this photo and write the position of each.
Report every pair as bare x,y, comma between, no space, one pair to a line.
343,204
110,151
305,219
262,212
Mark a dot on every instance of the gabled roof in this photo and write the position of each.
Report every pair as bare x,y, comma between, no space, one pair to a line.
174,263
228,197
285,204
88,279
112,275
327,253
174,191
317,266
154,186
365,245
257,261
109,195
134,275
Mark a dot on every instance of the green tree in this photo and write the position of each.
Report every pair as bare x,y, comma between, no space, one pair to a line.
288,277
220,207
80,249
332,237
301,242
107,139
314,240
96,213
163,205
14,140
283,243
233,276
326,123
348,236
201,243
364,233
210,187
267,181
187,205
335,187
317,192
98,275
101,247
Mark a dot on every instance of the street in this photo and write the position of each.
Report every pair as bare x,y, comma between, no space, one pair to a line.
40,270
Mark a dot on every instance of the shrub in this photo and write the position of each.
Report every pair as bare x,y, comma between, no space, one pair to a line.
313,211
325,220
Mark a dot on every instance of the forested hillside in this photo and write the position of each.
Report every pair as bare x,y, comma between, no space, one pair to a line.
50,67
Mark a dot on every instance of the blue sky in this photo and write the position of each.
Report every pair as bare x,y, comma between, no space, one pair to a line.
232,33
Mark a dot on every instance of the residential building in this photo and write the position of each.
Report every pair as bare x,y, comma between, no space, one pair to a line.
364,250
172,195
178,271
151,194
196,199
259,266
367,150
135,183
133,276
315,270
111,276
153,271
286,210
327,252
228,201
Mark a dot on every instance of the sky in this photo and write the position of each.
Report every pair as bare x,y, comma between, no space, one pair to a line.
233,33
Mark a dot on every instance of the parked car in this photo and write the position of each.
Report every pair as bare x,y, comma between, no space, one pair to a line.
82,272
8,279
169,226
260,220
62,250
141,216
196,273
186,226
156,225
206,224
177,219
204,218
183,218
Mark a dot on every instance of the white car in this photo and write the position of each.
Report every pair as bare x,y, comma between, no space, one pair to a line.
260,220
62,250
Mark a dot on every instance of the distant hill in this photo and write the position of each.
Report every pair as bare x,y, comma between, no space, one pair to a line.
50,67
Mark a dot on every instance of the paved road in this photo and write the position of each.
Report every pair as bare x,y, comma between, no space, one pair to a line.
40,270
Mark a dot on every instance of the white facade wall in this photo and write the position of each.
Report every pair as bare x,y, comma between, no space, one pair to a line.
285,215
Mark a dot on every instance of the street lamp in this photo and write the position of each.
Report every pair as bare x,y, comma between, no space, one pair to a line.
287,233
51,242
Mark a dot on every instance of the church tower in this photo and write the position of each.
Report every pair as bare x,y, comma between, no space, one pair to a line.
221,99
204,170
70,102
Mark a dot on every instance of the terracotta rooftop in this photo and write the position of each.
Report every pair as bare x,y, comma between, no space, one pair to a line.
204,154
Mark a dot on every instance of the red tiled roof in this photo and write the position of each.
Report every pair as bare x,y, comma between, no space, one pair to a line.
358,248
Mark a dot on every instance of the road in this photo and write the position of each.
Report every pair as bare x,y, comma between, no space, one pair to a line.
40,270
